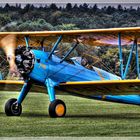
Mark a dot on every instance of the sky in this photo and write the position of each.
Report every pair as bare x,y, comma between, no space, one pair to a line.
70,1
62,3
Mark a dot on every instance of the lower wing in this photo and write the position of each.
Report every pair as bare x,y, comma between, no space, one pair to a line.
87,88
10,85
107,87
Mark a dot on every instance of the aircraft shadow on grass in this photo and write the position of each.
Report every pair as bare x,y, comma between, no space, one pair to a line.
129,116
123,116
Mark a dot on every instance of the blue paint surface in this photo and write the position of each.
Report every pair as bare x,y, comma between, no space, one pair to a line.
1,78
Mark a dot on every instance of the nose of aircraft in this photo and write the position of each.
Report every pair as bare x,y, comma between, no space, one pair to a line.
24,60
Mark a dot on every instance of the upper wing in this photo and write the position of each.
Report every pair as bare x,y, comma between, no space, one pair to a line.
89,37
94,37
108,87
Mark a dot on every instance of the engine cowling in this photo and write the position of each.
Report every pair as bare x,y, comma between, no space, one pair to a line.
24,60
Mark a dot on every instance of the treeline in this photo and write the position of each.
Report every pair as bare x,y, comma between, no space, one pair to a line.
51,17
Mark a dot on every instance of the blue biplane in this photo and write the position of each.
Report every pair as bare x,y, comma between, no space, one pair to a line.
47,69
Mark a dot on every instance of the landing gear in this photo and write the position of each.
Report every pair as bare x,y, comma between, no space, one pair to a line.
57,108
12,108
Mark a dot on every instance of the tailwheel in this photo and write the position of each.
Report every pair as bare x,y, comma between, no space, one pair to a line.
12,108
57,108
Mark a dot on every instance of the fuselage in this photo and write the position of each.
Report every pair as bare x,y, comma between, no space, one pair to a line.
63,72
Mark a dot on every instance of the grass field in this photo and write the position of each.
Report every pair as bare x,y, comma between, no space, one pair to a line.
84,118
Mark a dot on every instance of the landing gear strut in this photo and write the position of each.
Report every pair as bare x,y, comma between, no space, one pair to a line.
57,107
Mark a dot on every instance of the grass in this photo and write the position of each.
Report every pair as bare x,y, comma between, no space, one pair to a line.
84,118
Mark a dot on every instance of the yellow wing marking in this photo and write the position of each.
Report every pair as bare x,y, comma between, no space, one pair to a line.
45,33
11,82
102,82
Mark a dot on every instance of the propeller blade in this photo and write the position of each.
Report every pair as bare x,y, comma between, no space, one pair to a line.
8,44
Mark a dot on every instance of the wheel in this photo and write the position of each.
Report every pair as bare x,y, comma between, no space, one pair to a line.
12,108
57,108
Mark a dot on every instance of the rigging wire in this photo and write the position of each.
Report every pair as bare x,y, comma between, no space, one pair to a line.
99,60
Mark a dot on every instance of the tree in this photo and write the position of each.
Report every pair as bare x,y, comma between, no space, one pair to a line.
120,8
85,7
110,10
7,7
68,7
67,27
4,19
27,7
37,25
53,6
95,8
75,8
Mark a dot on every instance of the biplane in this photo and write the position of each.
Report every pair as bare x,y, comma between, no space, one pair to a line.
46,69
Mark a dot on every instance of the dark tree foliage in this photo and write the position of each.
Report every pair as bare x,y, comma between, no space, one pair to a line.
82,16
95,8
110,10
53,7
68,7
120,8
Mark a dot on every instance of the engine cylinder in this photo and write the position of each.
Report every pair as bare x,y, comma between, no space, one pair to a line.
24,60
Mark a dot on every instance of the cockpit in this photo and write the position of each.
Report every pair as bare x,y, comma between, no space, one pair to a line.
81,61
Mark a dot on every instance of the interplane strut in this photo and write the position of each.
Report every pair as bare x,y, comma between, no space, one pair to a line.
133,48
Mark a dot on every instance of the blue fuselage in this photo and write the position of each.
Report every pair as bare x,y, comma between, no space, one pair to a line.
64,72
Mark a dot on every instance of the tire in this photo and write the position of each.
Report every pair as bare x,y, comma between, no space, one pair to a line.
57,108
12,109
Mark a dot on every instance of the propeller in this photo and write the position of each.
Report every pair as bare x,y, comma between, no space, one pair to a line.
8,44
